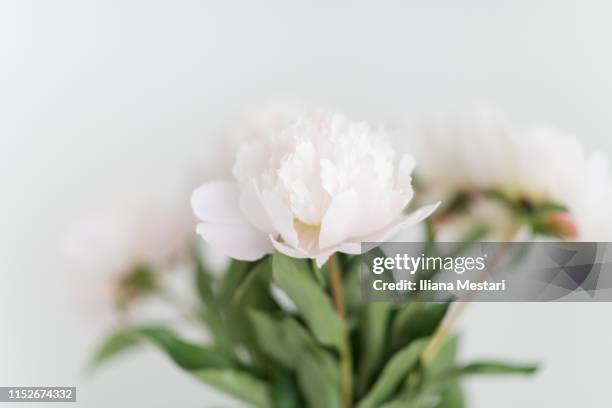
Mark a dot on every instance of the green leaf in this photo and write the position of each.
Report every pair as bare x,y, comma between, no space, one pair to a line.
253,295
452,396
547,208
209,365
285,392
232,279
408,402
449,393
444,359
432,390
446,382
319,379
294,277
212,313
241,385
415,320
394,373
115,344
258,275
203,279
320,274
372,337
352,286
493,368
188,356
273,338
291,345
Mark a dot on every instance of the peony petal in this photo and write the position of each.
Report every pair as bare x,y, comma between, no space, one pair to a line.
217,201
280,216
338,219
287,250
405,222
353,248
404,171
322,258
253,210
240,240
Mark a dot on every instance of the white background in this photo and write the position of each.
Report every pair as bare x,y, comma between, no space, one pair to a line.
101,101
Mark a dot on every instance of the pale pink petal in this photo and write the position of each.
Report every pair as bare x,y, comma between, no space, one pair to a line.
253,210
374,209
338,220
404,222
237,240
280,216
287,250
217,201
404,172
322,258
353,248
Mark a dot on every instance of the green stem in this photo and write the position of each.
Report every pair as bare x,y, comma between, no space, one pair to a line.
346,360
449,322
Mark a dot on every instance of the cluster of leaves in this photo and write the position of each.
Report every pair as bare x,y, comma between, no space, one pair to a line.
537,216
268,356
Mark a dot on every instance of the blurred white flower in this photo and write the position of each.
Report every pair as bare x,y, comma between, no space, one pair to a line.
113,256
322,185
531,165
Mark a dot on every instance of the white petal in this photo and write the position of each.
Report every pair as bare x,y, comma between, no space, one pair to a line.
321,259
287,250
405,222
404,171
353,248
280,216
338,219
253,210
217,201
239,240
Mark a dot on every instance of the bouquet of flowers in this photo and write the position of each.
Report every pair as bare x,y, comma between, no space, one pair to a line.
284,323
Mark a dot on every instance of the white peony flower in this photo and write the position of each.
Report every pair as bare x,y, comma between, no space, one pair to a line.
322,185
532,165
103,253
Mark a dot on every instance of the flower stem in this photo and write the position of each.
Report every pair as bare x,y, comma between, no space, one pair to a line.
442,332
336,285
447,325
346,360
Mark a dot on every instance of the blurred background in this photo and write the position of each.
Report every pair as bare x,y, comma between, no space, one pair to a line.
104,101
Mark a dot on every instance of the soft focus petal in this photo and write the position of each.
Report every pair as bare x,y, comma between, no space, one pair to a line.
217,201
253,210
405,222
280,216
353,248
238,240
322,258
404,172
286,249
338,220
